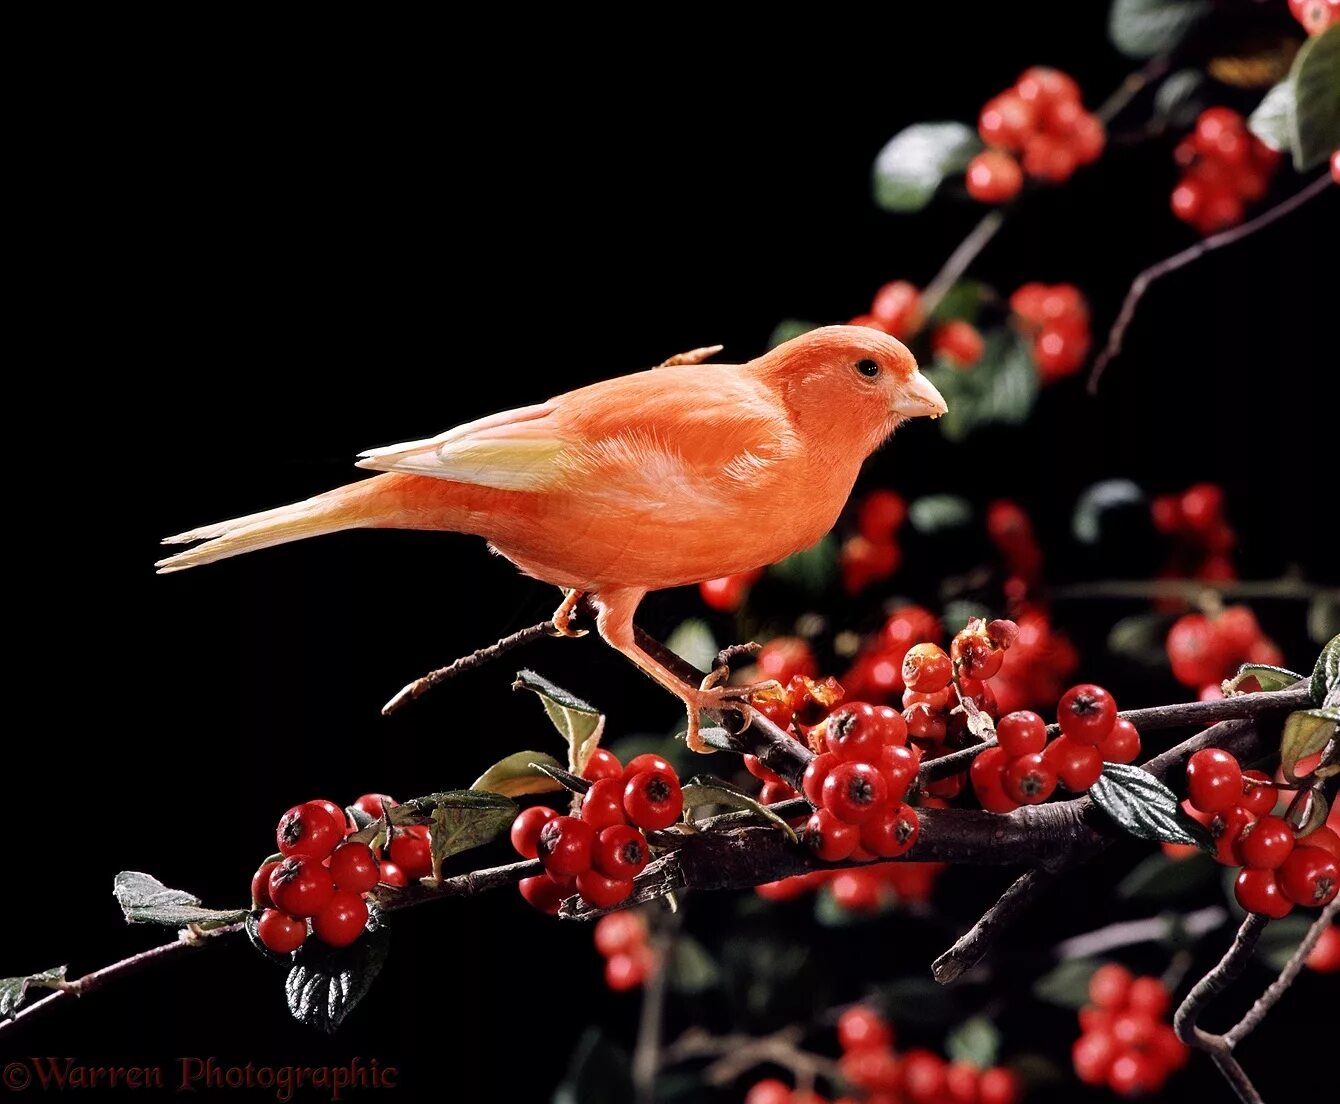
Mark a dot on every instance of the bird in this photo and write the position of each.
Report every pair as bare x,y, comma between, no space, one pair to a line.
666,477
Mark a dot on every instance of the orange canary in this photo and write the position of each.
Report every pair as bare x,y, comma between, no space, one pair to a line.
662,478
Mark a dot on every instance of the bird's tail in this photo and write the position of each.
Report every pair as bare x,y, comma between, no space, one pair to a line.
355,506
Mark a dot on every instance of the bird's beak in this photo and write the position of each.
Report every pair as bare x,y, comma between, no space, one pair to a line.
919,398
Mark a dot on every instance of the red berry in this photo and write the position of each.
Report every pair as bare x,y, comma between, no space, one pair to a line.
1048,158
1265,844
1325,956
260,886
1335,166
1029,779
1087,138
526,829
926,669
337,814
854,792
899,766
602,764
1220,210
862,1028
602,805
1134,1073
1236,630
992,177
627,971
1259,891
853,732
1187,201
998,1086
961,1083
1040,84
1324,837
652,799
645,762
784,658
601,892
1193,649
975,656
1310,876
1087,713
309,829
924,722
856,890
1122,744
1168,1048
1093,1054
1026,302
375,805
1059,350
1226,828
768,1091
342,920
1110,986
354,867
412,851
301,886
392,875
1078,766
923,1076
1148,996
1021,733
543,893
726,594
865,562
890,725
620,932
891,831
620,851
897,307
831,839
812,781
280,933
881,515
1006,121
987,784
873,1069
1213,780
565,846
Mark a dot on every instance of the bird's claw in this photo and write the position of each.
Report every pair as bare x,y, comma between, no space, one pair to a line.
562,619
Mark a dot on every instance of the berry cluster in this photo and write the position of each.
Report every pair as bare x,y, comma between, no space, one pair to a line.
939,684
872,555
1315,15
877,673
599,852
1037,666
1040,119
621,937
321,878
728,593
1195,520
1125,1043
1204,650
1279,869
1225,167
1055,318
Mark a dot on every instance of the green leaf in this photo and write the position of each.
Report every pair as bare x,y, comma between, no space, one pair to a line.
325,983
13,990
1159,878
1269,678
962,301
1317,809
460,824
915,161
1099,500
975,1041
692,968
789,328
1178,100
705,789
599,1073
1067,984
1143,28
1323,616
1001,388
579,723
1302,112
812,569
1325,684
1280,938
1141,805
937,513
146,900
1140,638
565,779
515,775
693,641
1272,121
1307,732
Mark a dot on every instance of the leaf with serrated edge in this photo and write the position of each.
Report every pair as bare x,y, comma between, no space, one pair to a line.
1067,984
1140,804
1316,80
325,983
975,1041
1326,673
146,900
565,779
460,827
13,990
1270,679
704,789
915,161
1306,732
514,776
578,722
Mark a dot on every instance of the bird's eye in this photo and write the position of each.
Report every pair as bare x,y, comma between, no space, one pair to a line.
867,368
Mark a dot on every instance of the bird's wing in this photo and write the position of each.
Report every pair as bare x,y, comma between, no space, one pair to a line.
697,421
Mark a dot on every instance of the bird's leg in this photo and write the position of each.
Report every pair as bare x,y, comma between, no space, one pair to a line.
562,618
693,356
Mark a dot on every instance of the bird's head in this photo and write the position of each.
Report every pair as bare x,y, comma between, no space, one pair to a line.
851,384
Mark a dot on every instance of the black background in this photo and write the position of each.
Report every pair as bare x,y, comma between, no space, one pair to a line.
253,259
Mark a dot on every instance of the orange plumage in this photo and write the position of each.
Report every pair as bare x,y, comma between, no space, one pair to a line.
650,480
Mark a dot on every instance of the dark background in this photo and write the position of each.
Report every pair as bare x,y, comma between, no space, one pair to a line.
251,261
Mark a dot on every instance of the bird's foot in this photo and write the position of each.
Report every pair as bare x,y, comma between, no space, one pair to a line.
562,619
712,697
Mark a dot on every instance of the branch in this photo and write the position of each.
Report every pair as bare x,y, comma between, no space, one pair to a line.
1192,589
971,948
737,1054
1141,283
188,939
390,899
1129,932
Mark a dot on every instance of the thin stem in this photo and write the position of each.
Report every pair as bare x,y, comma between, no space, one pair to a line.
1130,932
737,1054
972,946
647,1050
1117,335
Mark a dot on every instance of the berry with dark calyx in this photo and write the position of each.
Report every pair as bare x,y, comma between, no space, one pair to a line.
1265,844
341,922
927,668
280,933
1110,986
375,805
1310,876
1078,765
1148,996
411,849
987,783
1028,779
816,771
565,846
526,827
652,799
993,177
602,764
1122,744
1213,780
648,760
391,875
891,832
1226,828
1086,713
620,851
831,839
620,932
1259,891
544,893
853,733
602,804
1021,733
854,792
260,886
769,1091
862,1028
353,867
309,829
601,892
301,886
